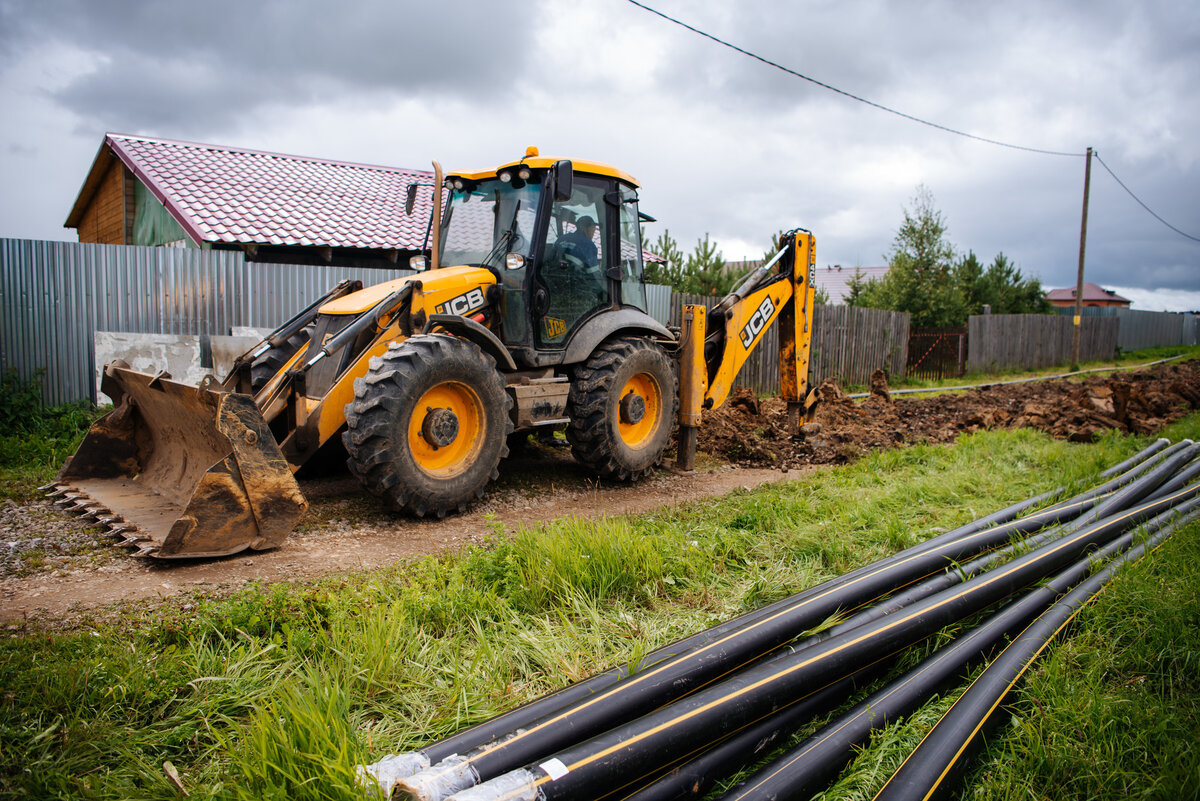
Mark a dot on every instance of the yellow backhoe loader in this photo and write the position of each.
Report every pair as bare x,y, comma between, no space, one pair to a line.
529,311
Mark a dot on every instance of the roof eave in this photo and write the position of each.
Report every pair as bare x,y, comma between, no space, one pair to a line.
91,183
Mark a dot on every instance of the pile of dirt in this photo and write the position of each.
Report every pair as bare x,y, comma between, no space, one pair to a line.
753,431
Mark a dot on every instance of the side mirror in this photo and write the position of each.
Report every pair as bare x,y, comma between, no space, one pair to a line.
411,199
564,180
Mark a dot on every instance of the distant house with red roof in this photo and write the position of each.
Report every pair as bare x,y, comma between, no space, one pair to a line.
1093,295
275,207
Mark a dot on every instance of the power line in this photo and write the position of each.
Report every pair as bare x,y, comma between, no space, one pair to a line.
1139,200
844,93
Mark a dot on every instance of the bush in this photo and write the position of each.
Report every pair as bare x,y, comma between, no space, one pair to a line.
36,439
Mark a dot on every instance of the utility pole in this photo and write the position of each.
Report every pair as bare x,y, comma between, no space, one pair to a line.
1075,331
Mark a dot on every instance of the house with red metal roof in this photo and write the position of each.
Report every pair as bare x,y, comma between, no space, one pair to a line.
274,207
1093,295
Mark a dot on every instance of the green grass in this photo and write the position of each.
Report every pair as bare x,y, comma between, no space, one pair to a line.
278,691
35,440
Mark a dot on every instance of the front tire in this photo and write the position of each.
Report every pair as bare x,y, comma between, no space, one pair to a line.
428,425
622,407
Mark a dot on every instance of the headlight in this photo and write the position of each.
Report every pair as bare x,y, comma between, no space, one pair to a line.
506,176
514,261
524,173
417,263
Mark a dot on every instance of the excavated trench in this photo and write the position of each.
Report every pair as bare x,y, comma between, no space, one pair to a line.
753,432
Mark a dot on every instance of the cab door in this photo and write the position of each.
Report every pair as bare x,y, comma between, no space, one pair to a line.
571,281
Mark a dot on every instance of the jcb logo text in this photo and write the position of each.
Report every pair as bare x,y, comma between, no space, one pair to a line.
463,304
758,321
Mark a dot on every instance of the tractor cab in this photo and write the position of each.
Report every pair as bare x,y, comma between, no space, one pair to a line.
562,240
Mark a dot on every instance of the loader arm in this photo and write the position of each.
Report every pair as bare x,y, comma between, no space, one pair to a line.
716,342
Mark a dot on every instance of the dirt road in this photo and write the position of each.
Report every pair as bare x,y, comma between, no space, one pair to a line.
74,569
344,530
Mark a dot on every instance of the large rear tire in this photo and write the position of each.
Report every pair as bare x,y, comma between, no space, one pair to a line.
622,408
428,425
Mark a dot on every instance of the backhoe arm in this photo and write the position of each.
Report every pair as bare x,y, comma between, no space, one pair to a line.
716,342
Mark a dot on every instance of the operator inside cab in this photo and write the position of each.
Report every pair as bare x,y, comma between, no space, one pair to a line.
580,244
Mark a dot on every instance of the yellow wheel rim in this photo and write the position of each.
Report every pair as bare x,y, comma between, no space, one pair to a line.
446,430
638,421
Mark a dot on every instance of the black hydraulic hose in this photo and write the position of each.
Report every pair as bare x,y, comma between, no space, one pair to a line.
367,319
928,768
309,313
632,749
803,769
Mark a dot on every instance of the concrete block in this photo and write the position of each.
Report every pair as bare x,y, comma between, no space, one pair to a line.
226,349
178,354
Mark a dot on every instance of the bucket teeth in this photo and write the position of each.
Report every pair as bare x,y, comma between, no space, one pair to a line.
68,500
80,506
51,486
96,512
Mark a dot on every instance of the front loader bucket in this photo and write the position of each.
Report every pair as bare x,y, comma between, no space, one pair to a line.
181,472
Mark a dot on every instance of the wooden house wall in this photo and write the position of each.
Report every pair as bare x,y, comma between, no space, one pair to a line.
108,219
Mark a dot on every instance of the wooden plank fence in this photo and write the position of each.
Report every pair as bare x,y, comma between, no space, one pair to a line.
848,345
1000,341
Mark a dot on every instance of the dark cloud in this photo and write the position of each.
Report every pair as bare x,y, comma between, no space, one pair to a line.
724,143
160,64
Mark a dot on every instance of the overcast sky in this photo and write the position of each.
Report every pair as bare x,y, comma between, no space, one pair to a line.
722,143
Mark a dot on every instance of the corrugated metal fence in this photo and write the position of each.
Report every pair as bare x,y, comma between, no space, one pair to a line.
1145,329
55,295
999,341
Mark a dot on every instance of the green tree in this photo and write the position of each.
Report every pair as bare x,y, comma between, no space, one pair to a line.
1007,291
706,273
670,271
920,276
968,274
856,288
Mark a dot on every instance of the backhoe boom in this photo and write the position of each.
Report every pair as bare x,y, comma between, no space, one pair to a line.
716,342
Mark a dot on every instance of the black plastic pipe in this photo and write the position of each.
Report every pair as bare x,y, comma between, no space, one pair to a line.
799,772
662,683
803,769
693,775
586,769
927,770
668,681
861,586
